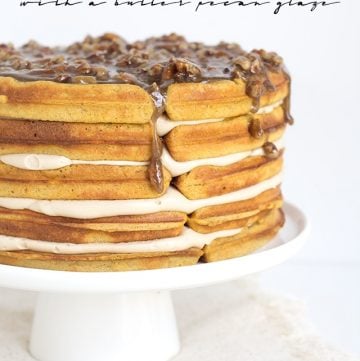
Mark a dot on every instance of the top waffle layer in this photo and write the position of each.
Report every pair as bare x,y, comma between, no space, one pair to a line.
221,80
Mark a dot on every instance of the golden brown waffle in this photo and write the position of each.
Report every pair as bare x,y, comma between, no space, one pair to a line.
98,141
209,181
229,136
79,182
101,262
32,225
44,100
235,214
122,103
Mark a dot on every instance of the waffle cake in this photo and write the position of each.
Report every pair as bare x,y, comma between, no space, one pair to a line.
122,156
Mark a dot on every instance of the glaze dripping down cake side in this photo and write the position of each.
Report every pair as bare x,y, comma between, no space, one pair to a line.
118,156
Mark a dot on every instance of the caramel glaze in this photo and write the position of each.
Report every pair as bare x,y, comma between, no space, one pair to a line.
153,64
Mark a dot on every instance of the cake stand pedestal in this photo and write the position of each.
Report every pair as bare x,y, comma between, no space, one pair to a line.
102,327
129,316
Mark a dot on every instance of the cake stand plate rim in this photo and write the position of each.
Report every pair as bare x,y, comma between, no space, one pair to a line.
290,240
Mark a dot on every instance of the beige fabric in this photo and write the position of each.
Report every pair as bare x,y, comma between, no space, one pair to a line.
238,322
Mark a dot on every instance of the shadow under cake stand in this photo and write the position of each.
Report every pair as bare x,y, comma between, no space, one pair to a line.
129,316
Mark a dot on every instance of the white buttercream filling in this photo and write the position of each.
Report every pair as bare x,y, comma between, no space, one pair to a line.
172,200
164,125
51,162
186,240
270,108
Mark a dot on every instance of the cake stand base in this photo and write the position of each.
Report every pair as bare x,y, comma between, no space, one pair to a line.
98,327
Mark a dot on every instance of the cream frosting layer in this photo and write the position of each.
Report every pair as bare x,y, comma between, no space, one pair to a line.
172,200
270,108
50,162
186,240
164,125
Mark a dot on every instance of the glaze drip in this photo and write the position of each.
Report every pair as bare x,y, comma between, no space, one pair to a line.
255,128
271,150
156,174
287,101
252,69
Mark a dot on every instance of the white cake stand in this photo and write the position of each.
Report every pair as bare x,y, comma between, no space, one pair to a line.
128,316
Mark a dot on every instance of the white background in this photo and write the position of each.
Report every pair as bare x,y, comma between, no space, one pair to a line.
322,52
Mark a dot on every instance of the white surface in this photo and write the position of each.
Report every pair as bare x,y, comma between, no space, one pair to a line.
230,322
290,239
128,327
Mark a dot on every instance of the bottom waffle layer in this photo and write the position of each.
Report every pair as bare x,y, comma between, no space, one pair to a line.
249,239
101,262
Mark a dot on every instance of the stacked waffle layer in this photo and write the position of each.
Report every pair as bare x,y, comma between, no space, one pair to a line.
118,156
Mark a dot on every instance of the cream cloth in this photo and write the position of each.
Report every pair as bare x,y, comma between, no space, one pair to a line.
235,321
